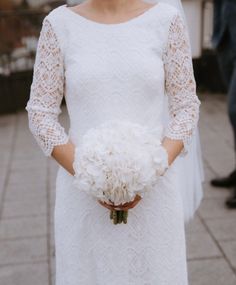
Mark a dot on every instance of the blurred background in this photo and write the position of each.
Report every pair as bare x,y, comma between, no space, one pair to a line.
27,178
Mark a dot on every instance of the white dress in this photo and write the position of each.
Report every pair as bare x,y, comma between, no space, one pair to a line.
105,71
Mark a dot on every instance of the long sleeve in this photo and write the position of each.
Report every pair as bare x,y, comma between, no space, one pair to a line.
47,90
180,85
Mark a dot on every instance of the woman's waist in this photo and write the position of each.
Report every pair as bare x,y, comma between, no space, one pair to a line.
76,132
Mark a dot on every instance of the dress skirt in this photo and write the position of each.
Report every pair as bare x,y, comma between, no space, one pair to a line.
149,250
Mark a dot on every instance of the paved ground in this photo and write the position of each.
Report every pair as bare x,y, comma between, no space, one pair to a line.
27,181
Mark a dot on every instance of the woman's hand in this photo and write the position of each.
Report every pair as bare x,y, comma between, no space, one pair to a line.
173,148
64,155
124,207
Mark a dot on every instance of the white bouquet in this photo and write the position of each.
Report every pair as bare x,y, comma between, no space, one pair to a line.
117,161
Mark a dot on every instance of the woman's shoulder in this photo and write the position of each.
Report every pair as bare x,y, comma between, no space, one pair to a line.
57,15
166,14
169,11
58,23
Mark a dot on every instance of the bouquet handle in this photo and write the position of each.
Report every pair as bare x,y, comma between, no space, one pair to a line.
119,216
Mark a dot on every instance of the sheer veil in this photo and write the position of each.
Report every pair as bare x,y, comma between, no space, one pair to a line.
189,168
176,3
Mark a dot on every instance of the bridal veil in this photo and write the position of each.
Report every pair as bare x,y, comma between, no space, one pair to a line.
190,167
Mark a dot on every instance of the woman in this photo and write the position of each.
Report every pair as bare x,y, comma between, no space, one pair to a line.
122,66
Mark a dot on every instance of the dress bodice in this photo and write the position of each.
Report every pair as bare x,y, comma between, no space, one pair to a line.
123,71
113,72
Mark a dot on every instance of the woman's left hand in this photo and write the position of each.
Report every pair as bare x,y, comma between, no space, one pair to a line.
122,207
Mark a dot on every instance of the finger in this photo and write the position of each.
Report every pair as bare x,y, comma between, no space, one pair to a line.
110,207
127,204
130,206
138,198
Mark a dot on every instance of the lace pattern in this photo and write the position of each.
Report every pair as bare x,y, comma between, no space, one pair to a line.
47,91
180,85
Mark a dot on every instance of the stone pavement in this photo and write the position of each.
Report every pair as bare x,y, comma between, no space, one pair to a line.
27,185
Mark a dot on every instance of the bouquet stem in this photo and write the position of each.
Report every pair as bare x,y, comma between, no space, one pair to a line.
118,216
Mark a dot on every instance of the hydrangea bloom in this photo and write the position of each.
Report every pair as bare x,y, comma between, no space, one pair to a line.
118,160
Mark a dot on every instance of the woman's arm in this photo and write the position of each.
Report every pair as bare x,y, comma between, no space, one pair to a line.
64,155
173,148
181,90
47,91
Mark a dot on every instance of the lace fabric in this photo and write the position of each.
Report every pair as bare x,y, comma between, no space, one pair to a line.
180,85
47,92
47,88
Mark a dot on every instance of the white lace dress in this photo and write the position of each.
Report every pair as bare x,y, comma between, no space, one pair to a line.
105,71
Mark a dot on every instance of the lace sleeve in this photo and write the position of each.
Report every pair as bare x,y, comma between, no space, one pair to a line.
46,93
180,85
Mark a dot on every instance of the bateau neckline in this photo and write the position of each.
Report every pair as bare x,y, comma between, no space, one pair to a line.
129,21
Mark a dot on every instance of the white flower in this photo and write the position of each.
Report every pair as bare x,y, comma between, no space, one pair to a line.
118,160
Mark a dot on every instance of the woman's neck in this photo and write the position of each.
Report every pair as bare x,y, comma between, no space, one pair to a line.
115,6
